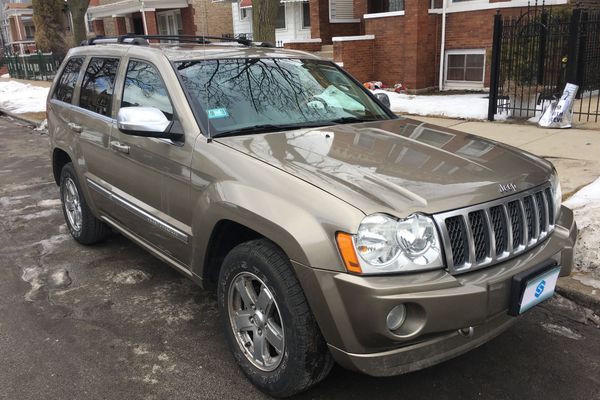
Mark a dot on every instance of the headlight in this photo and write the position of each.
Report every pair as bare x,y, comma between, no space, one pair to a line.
386,245
556,194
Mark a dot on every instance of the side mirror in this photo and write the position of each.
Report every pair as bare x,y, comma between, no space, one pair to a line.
383,98
143,121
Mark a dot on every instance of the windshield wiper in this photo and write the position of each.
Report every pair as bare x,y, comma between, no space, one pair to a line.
349,120
266,128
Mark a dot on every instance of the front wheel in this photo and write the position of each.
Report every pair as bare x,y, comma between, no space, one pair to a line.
268,323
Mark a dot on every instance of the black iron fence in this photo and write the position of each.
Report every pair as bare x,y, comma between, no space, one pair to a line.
536,53
38,66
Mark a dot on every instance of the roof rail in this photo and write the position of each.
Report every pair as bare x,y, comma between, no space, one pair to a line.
143,40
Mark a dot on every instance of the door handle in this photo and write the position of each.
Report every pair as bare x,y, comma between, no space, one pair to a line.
75,127
118,146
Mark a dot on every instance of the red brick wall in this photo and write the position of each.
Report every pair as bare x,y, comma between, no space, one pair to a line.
388,49
187,18
151,24
357,56
120,25
303,46
320,27
98,27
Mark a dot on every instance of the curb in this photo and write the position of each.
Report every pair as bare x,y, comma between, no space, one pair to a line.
581,294
29,121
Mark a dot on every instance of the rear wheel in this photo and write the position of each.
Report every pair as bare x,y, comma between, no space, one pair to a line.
83,225
268,323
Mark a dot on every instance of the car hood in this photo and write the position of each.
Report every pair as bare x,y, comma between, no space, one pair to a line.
397,166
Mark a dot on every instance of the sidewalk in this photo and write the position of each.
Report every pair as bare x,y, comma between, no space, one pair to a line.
574,153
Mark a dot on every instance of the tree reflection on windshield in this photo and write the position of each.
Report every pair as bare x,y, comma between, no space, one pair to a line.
235,94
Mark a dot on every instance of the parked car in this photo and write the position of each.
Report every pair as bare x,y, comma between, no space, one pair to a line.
332,229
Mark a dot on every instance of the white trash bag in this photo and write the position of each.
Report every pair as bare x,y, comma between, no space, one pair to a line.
558,114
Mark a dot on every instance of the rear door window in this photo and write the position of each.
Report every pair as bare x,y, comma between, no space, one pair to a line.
145,88
68,80
98,85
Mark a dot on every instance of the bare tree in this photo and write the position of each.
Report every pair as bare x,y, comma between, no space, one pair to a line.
78,9
264,16
49,23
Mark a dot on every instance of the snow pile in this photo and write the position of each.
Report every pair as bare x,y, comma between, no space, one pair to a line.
20,98
586,206
5,76
467,106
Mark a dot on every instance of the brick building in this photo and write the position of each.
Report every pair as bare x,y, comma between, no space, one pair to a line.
164,17
400,40
16,27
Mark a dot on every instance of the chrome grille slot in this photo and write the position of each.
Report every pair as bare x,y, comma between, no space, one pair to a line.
458,239
489,233
479,230
499,228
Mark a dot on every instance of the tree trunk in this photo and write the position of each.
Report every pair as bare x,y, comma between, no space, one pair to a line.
264,14
78,9
49,25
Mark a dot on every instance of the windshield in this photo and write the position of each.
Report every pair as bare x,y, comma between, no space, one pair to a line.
241,96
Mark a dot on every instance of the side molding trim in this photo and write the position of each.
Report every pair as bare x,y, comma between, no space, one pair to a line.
160,224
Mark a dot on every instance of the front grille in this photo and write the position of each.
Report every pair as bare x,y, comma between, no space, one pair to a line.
485,234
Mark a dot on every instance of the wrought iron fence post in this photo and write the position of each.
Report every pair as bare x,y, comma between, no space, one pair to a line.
573,47
542,47
495,68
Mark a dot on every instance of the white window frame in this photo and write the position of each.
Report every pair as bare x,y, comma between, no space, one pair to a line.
464,84
240,10
166,14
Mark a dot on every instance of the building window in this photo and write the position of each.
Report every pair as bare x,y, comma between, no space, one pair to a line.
380,6
243,12
306,14
465,66
170,22
29,31
280,20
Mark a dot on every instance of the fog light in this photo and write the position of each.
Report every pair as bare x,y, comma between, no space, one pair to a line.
396,317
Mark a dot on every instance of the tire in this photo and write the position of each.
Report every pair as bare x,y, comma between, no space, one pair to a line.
83,225
304,359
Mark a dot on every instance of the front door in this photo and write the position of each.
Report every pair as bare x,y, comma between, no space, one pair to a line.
152,179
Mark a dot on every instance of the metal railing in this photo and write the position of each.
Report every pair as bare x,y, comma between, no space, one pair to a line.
39,66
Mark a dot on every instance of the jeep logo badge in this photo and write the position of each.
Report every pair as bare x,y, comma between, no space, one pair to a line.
508,187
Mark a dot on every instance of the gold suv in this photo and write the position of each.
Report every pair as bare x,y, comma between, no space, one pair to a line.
332,229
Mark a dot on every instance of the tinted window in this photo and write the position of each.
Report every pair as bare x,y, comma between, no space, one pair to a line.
145,88
98,85
68,80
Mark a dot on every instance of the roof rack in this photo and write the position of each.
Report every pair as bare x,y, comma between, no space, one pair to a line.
143,40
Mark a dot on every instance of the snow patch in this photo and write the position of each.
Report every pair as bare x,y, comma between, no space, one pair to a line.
39,277
5,76
561,331
42,127
587,280
467,106
49,203
52,242
586,207
39,214
131,277
20,98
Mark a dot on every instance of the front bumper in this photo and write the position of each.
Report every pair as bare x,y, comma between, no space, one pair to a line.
351,310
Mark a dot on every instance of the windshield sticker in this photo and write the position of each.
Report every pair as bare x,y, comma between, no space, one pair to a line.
215,113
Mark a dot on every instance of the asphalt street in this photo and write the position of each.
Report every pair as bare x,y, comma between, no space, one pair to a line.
112,322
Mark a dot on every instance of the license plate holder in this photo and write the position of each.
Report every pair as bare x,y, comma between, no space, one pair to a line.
533,286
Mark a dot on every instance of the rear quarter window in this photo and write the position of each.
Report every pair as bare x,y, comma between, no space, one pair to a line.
98,85
66,84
